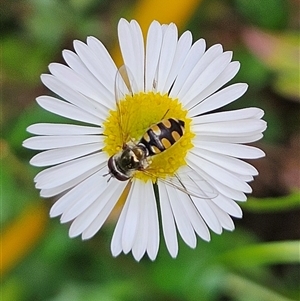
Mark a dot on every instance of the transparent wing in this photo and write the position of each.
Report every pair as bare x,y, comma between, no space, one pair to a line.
124,85
189,182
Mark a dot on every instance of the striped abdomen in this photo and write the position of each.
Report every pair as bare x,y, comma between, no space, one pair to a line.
162,135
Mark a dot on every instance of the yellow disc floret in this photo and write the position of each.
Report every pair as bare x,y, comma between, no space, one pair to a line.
133,117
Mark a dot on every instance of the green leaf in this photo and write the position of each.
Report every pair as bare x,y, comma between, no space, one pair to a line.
23,61
16,184
50,21
283,203
12,289
114,291
269,14
54,21
262,254
241,288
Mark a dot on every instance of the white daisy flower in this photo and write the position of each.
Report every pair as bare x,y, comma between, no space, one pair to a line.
150,143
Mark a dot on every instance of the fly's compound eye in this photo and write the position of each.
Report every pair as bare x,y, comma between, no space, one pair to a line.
114,170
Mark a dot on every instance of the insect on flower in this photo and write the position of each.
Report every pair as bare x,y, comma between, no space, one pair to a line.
148,137
158,138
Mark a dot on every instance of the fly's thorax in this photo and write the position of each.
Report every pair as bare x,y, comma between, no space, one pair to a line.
132,158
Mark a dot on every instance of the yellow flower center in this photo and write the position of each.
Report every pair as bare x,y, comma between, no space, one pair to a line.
135,114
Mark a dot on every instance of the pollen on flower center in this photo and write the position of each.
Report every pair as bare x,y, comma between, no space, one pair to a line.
135,114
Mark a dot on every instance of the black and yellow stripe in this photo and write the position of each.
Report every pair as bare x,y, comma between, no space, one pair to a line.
162,135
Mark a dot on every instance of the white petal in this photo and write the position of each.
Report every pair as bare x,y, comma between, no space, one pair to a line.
77,82
226,75
46,193
218,173
228,205
223,218
106,61
246,178
82,196
76,62
195,218
57,175
167,54
56,156
153,46
103,214
182,49
132,48
67,110
221,188
182,221
220,99
50,142
231,164
231,128
192,58
168,223
124,84
241,114
62,204
230,149
94,107
208,57
190,181
57,129
85,219
153,226
116,241
228,192
208,214
140,242
138,42
229,138
132,217
97,68
147,238
207,77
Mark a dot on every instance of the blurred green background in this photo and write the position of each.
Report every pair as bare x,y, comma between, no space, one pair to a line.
258,261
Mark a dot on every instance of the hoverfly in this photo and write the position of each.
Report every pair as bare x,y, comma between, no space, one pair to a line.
158,138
